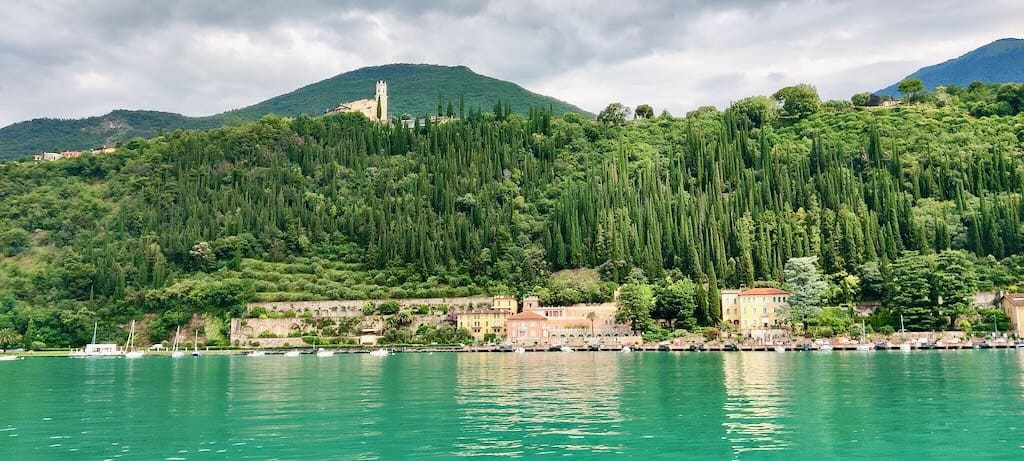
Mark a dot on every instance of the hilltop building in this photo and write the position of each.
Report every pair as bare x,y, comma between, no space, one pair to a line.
754,312
375,109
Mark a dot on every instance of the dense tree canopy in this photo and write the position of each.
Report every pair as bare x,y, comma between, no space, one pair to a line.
338,207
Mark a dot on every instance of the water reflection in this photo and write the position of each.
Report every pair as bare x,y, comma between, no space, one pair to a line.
755,402
537,404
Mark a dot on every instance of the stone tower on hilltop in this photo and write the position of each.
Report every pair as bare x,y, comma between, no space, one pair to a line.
382,101
375,109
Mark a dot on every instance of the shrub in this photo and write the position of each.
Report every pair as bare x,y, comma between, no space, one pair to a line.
388,308
37,346
887,330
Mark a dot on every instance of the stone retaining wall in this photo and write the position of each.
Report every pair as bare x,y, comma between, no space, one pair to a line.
353,307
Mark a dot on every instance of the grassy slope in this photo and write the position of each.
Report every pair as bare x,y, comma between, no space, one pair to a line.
413,88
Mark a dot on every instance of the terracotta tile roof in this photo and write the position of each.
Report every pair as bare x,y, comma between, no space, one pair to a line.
527,315
763,292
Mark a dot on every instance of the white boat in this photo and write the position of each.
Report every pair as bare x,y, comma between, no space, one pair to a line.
9,358
324,353
780,348
626,349
94,350
175,353
520,350
195,344
566,349
825,348
905,347
293,353
379,353
256,354
129,346
863,333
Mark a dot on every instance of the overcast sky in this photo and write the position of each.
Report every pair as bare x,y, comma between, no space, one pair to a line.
79,58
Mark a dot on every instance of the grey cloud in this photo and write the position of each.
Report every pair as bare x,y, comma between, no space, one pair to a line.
72,59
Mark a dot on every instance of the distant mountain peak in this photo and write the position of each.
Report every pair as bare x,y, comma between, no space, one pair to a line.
1000,61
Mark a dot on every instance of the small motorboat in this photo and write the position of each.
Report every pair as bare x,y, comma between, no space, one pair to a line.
825,348
905,347
596,347
324,353
780,348
625,349
565,349
1019,345
256,354
379,352
731,347
520,350
9,358
881,346
293,353
696,347
864,347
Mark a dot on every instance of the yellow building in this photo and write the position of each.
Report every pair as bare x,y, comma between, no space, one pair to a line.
753,309
480,322
1013,305
506,303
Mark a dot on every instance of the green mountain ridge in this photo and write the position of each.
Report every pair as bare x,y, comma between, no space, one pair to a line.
412,88
1001,61
906,204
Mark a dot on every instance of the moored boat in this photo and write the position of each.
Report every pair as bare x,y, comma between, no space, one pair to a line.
94,350
256,354
324,353
195,344
129,345
566,349
625,349
9,358
175,353
293,353
825,348
379,352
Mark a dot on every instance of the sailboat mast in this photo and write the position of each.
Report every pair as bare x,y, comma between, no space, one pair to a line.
94,327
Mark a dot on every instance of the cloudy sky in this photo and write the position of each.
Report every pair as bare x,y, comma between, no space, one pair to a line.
79,58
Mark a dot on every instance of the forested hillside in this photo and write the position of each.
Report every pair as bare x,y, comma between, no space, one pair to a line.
339,207
414,89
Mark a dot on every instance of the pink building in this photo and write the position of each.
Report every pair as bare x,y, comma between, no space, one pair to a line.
527,328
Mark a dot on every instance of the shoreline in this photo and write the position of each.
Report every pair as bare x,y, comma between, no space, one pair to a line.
496,349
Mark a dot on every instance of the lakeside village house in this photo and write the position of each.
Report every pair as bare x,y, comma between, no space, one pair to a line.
754,312
54,156
487,319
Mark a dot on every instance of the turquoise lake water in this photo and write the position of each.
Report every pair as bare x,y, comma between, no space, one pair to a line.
580,405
